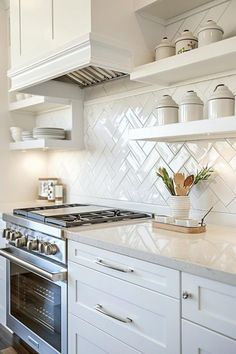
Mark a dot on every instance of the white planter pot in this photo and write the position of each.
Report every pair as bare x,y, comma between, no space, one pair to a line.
180,206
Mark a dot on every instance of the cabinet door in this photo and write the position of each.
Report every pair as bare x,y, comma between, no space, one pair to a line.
84,338
199,340
141,318
210,304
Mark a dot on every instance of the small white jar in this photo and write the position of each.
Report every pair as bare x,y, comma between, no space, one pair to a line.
186,42
191,108
210,33
167,111
165,49
221,103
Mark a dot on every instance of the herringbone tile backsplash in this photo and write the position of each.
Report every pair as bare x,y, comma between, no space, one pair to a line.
113,168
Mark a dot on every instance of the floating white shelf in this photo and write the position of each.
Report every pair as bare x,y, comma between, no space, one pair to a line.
214,58
44,144
37,104
166,9
180,132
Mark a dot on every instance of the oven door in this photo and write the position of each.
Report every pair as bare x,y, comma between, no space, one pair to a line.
37,301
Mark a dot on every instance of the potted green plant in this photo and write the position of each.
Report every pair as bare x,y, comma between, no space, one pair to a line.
180,186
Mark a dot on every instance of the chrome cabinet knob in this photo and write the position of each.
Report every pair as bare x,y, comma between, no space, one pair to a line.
21,242
51,249
186,295
32,245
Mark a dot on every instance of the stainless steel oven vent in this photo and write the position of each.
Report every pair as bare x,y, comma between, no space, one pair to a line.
91,76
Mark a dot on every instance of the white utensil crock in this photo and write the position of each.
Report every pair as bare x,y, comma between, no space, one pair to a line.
180,206
191,108
167,111
210,33
164,49
221,103
187,41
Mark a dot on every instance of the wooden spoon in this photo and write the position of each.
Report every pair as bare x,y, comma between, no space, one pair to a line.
189,181
179,179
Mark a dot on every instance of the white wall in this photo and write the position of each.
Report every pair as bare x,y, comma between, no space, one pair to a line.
18,171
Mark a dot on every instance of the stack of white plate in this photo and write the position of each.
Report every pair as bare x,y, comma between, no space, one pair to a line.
27,135
49,133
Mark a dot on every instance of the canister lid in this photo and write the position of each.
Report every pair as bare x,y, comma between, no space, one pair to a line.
191,98
165,43
167,101
186,34
221,91
210,24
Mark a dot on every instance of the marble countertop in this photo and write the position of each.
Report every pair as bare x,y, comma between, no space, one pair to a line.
211,254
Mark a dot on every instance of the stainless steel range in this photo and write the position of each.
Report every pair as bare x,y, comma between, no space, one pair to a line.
37,269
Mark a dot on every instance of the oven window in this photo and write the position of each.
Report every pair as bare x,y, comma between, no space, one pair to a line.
36,302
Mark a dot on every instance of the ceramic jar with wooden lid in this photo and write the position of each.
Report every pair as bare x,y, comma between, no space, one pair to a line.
165,49
221,102
191,107
210,33
167,110
186,42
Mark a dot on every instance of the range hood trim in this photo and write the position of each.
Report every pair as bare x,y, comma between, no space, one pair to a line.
88,50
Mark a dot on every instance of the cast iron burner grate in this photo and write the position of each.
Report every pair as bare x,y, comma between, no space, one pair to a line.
94,217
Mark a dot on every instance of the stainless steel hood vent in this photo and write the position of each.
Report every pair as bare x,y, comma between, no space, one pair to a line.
91,76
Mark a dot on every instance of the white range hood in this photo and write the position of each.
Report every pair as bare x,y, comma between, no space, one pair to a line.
86,61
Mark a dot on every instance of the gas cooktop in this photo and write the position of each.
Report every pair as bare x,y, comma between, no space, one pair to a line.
69,215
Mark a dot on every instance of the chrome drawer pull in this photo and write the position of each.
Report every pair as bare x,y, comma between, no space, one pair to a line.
100,308
114,267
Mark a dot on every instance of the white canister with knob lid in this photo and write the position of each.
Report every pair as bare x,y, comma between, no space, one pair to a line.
167,110
165,49
186,42
210,33
191,107
221,102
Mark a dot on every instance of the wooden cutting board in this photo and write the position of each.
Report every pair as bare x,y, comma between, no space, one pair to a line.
177,228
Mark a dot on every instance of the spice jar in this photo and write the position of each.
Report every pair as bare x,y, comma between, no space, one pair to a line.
187,41
221,102
191,107
210,33
165,49
167,110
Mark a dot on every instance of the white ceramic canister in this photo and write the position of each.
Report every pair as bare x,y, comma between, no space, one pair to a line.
210,33
187,41
221,102
165,49
191,107
167,110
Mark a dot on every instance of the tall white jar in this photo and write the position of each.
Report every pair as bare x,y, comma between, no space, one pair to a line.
167,110
210,33
165,49
221,102
191,107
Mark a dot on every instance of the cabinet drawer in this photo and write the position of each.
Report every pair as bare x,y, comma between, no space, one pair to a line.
144,319
212,304
148,275
199,340
87,339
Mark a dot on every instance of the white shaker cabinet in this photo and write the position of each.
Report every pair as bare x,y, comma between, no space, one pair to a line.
112,300
199,340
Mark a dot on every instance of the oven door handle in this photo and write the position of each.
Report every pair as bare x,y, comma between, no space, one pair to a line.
59,274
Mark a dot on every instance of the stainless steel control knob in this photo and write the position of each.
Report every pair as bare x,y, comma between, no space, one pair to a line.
32,245
15,235
6,233
51,249
186,295
41,246
21,242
